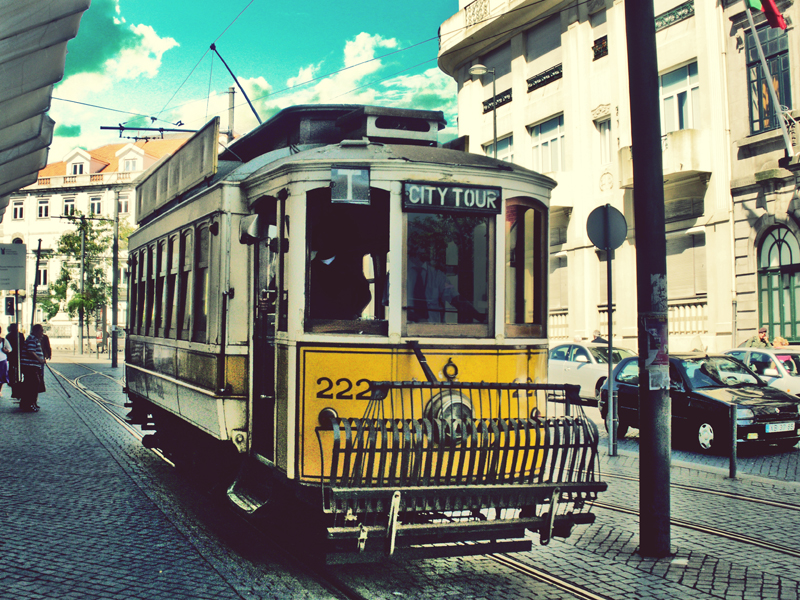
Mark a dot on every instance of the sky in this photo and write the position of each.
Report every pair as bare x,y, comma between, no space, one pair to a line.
147,63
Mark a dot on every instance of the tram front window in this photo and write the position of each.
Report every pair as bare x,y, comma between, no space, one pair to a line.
447,271
348,245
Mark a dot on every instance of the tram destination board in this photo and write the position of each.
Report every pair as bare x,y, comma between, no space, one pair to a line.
438,197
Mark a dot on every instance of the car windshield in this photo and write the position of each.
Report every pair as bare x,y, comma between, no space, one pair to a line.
716,371
600,354
790,362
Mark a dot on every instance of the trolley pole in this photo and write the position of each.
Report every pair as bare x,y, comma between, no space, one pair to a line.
651,281
114,281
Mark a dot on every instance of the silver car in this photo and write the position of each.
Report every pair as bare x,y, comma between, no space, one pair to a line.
779,367
583,364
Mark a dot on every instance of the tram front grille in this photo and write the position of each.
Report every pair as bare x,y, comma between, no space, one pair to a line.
462,447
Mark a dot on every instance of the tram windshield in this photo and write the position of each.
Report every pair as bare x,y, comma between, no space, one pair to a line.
447,274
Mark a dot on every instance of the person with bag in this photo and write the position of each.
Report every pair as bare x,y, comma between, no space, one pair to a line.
16,340
5,348
33,362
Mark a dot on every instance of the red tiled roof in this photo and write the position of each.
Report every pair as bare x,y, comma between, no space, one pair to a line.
107,154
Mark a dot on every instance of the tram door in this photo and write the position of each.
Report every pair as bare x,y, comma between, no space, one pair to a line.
266,291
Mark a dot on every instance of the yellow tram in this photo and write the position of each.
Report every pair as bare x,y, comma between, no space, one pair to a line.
357,320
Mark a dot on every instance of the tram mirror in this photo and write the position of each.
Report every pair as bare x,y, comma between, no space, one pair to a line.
248,230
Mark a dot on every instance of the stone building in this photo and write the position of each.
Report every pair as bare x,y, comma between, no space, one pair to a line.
87,182
560,105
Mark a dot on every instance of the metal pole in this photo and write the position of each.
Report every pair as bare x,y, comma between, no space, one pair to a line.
651,282
734,435
494,110
115,281
231,92
35,283
241,89
613,410
83,262
771,87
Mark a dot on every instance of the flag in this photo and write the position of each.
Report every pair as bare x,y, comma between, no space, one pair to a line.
770,10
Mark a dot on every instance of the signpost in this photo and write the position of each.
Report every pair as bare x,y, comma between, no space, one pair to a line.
12,277
607,229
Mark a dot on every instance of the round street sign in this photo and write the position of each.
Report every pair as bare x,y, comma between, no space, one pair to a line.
606,227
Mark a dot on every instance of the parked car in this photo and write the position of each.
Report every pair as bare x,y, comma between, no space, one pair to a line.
702,390
583,364
779,367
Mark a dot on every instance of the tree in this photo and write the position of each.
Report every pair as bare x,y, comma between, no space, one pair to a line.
65,292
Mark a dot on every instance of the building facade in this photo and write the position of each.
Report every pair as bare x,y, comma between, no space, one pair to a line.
561,105
85,182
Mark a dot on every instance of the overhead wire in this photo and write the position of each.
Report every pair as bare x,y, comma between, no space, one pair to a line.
336,72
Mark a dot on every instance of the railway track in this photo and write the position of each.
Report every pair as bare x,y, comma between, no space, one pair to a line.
347,591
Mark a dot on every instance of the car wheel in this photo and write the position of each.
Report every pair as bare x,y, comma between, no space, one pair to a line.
707,437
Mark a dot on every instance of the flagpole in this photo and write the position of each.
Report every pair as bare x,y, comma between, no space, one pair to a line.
767,77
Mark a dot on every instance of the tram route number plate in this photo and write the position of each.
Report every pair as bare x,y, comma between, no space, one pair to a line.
777,427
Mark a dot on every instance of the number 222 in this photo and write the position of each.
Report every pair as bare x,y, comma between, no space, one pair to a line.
343,394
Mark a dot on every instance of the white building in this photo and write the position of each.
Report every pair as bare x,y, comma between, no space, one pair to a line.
87,182
562,107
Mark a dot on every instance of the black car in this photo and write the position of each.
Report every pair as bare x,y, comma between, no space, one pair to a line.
702,390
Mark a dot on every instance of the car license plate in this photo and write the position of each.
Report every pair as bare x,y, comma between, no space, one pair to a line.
777,427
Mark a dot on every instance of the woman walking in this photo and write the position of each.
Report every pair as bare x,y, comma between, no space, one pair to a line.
5,348
32,369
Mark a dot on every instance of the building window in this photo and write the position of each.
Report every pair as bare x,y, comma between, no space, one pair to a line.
547,140
775,43
44,208
129,164
686,266
604,129
77,169
69,207
680,99
505,149
18,212
42,275
779,284
599,25
96,206
122,205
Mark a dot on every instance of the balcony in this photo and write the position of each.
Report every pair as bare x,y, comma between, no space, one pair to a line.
685,154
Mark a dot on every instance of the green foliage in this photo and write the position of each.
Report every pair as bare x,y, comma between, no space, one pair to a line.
65,292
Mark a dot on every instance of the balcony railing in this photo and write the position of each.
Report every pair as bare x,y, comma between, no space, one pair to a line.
558,324
688,316
88,179
602,318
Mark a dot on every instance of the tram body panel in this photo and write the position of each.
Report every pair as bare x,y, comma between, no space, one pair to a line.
335,377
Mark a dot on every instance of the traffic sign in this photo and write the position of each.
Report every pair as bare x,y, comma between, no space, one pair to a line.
606,227
12,266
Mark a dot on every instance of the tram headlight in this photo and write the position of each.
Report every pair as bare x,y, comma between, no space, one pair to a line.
452,416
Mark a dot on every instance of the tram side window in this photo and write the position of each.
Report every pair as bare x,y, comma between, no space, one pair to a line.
526,268
132,312
170,303
151,289
142,293
201,285
160,289
448,273
185,301
348,247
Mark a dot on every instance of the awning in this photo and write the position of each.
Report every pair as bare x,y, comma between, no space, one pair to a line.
33,48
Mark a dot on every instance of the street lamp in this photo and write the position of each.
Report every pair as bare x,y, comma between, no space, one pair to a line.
482,70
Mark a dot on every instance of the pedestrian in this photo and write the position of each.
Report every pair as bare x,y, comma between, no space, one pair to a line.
760,340
15,340
5,348
598,339
32,370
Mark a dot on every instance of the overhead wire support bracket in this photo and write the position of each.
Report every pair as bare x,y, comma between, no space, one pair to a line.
241,89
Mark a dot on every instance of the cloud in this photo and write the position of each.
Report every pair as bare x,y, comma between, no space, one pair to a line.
88,53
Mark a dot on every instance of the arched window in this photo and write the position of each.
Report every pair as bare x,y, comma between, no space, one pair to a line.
779,283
